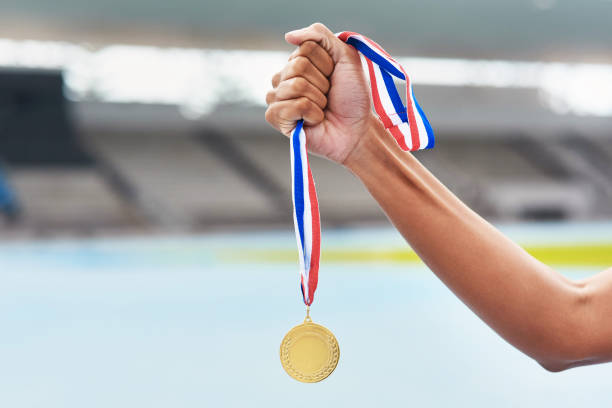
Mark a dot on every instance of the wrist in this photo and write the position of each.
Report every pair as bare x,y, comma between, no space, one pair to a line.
368,147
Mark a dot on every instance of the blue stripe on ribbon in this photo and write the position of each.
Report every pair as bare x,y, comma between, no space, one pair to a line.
388,69
430,133
298,182
400,109
373,56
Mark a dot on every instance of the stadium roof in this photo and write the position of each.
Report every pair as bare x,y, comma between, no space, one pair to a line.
552,30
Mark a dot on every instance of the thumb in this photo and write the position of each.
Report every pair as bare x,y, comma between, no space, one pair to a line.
317,32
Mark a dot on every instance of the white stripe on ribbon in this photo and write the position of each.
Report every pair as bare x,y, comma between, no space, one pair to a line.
298,238
385,98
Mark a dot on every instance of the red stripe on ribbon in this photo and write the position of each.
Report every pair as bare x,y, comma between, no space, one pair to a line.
313,274
399,137
382,113
414,130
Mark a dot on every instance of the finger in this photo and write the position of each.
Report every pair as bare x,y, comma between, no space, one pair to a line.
284,114
320,34
317,55
302,67
276,79
294,88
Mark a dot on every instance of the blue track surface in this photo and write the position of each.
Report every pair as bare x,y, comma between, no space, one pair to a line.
165,322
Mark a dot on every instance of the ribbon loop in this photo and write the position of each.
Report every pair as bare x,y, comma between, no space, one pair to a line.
407,123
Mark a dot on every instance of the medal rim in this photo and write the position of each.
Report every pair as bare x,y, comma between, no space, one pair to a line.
326,370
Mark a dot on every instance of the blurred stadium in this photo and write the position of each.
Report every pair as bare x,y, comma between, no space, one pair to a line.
139,119
140,116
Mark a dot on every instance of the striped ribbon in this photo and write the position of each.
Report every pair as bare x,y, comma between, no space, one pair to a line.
407,123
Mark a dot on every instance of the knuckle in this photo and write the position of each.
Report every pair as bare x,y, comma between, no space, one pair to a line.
300,64
303,104
269,115
270,96
299,84
308,47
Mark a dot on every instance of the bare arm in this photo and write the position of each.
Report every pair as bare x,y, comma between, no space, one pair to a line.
558,322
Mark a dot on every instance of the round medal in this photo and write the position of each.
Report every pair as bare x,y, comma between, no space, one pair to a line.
309,352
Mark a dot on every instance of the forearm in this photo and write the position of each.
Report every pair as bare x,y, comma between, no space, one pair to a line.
526,302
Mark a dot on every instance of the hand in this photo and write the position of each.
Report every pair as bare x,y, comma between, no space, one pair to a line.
324,84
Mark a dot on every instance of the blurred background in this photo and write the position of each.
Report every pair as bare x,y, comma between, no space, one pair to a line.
146,245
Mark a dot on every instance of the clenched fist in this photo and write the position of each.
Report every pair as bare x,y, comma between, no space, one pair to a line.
324,84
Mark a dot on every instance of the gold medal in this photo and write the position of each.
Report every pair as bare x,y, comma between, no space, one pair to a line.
309,352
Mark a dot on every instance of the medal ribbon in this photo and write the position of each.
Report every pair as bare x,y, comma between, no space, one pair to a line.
406,123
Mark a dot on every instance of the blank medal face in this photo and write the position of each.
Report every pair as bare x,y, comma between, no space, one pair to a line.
309,352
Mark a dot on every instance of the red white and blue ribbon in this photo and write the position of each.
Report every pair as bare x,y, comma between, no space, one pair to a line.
305,214
407,123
